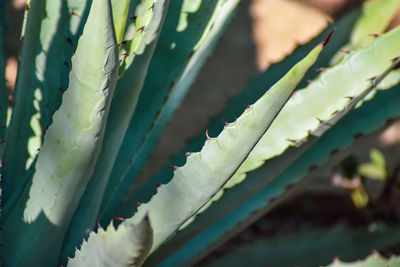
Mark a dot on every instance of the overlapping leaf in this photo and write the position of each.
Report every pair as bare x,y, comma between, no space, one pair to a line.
206,172
126,246
147,25
50,33
239,196
67,158
37,93
177,60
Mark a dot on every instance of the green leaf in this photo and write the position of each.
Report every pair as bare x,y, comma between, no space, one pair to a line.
83,112
206,172
70,149
162,96
250,94
58,56
376,15
309,248
374,260
145,28
121,111
336,98
37,92
376,169
286,134
120,9
126,246
244,211
316,119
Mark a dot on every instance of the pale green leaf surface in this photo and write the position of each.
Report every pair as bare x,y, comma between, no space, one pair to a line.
250,94
120,9
144,29
207,171
71,146
187,8
334,94
60,34
331,92
391,80
128,245
374,260
76,133
79,12
328,123
122,108
249,210
157,106
376,16
304,119
36,93
290,120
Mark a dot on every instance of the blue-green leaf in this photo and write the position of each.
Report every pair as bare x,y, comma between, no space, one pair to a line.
150,14
206,172
37,92
208,235
246,191
310,248
250,94
126,246
70,149
163,95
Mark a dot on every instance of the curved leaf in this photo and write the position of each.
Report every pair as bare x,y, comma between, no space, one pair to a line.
250,94
37,94
70,150
286,120
52,59
120,9
122,107
207,235
335,96
376,15
126,246
206,172
162,96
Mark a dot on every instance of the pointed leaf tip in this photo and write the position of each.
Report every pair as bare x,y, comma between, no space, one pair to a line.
328,37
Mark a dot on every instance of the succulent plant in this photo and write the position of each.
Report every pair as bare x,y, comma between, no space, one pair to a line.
98,81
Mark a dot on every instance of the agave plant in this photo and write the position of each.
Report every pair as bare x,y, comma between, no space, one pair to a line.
97,83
